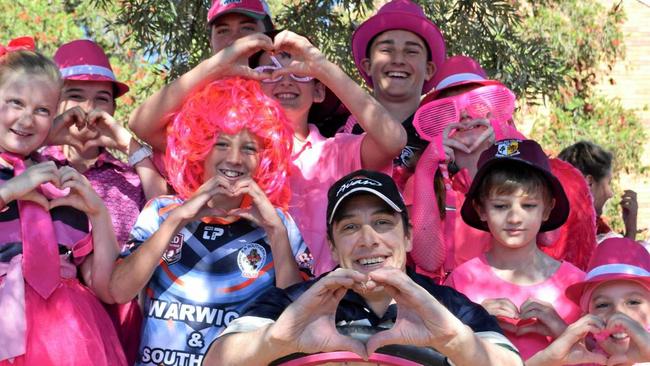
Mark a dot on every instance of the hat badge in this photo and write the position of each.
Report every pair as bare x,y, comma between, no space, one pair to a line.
507,148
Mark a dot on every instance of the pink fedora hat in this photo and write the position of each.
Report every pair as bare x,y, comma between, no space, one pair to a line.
613,259
85,60
399,14
256,9
455,71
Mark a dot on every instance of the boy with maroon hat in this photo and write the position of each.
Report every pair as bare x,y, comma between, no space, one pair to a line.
235,34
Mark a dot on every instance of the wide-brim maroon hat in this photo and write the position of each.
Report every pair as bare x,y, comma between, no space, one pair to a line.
523,152
85,60
403,15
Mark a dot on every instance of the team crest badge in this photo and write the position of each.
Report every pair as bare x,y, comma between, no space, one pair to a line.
251,259
173,252
508,148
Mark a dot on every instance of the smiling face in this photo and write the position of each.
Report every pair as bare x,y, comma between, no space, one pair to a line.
233,157
87,95
514,219
295,97
27,108
229,27
627,297
397,64
368,234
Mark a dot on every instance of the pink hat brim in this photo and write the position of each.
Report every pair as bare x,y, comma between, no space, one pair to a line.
120,87
576,291
403,21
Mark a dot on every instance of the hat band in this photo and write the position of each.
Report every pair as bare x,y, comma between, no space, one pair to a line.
617,268
87,70
466,76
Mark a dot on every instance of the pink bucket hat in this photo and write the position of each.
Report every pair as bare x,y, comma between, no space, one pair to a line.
455,71
85,60
399,14
613,259
256,9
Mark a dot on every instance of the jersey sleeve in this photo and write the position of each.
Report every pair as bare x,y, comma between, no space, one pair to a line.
299,248
151,217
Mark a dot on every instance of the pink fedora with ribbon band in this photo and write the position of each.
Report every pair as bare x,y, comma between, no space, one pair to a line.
456,71
404,15
614,259
85,60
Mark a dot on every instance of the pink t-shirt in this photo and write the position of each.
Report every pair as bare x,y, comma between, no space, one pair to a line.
318,162
477,281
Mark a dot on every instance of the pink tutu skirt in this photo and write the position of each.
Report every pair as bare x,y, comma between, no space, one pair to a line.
70,328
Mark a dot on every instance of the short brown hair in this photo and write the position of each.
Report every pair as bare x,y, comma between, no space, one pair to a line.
508,178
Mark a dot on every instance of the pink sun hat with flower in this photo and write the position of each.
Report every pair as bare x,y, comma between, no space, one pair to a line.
456,71
399,15
85,60
614,259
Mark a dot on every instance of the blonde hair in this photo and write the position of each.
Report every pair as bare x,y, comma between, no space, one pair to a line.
28,62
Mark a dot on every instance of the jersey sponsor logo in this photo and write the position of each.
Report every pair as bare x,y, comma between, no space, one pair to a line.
173,252
251,259
166,310
169,357
212,232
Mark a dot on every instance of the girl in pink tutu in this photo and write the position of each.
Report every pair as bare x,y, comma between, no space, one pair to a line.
55,232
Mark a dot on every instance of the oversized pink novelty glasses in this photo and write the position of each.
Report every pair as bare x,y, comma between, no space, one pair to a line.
495,102
277,65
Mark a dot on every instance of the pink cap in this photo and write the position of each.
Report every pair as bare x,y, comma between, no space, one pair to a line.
613,259
256,9
399,14
455,71
85,60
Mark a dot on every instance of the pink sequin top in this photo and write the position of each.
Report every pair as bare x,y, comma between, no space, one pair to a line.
116,183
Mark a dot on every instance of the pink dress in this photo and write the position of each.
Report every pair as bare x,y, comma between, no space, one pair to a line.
70,327
476,279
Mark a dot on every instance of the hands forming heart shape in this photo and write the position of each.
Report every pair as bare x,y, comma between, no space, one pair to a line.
84,130
466,140
533,316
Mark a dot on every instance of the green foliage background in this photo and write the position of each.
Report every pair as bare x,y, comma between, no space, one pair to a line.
550,52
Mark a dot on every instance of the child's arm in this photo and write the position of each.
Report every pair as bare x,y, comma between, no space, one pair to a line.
96,269
149,120
133,272
263,214
385,137
569,348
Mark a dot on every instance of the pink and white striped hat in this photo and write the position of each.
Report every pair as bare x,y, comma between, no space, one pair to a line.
613,259
85,60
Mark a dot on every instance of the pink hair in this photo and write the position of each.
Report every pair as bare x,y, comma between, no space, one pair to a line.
229,106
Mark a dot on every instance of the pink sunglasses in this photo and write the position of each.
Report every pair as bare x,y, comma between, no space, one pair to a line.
497,101
277,65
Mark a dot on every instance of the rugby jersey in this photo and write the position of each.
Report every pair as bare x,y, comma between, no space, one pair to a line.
207,275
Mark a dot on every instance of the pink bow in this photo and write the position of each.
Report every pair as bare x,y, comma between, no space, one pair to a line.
17,44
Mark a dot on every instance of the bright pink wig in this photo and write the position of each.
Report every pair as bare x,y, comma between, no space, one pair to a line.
229,106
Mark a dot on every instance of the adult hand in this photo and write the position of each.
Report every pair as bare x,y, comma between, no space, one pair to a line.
421,319
82,196
630,208
308,324
639,340
502,307
549,323
233,59
60,131
23,186
307,60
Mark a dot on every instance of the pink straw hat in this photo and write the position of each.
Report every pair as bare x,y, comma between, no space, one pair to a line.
399,14
455,71
613,259
85,60
256,9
